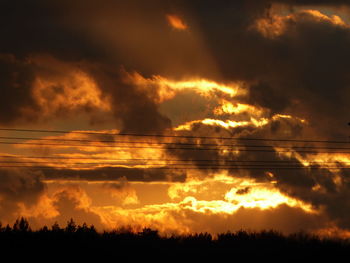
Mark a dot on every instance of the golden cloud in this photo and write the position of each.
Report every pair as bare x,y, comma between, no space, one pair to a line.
176,22
167,88
275,25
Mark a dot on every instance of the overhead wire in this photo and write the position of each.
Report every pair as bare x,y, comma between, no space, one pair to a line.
156,159
169,148
160,143
169,163
170,136
179,168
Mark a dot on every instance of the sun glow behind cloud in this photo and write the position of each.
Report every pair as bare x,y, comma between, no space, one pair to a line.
183,197
178,78
191,198
275,25
176,22
167,88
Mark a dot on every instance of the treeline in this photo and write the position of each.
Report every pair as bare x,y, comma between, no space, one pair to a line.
72,238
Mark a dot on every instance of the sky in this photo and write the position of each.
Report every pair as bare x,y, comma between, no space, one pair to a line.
182,116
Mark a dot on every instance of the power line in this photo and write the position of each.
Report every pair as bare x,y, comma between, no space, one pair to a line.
169,148
162,160
180,168
168,143
146,163
171,136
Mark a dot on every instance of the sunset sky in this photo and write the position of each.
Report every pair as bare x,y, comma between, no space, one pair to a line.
182,116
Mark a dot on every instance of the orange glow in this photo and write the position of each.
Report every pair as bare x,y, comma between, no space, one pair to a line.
176,22
174,217
225,124
255,122
198,186
122,191
284,116
210,199
124,148
276,25
44,208
271,27
71,93
333,231
158,115
257,195
177,216
203,86
334,19
87,151
264,198
227,107
214,199
167,88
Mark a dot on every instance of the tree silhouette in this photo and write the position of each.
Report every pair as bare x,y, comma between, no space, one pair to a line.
77,238
92,229
56,227
83,228
21,225
71,226
8,228
44,229
149,233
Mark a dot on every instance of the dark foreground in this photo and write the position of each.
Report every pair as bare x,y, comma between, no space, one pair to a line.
84,242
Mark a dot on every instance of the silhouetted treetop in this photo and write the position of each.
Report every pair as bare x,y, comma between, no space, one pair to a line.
71,226
75,237
21,225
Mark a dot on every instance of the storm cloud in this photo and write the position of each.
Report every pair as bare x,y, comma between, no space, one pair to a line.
19,188
285,64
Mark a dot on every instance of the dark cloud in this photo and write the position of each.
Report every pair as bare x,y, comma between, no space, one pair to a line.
302,70
136,35
315,185
115,174
287,69
243,191
326,190
135,108
102,38
17,77
18,187
119,185
73,202
44,28
313,2
211,149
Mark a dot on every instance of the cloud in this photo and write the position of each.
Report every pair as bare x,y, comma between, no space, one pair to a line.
19,189
113,174
184,218
121,190
73,202
176,22
259,71
306,58
135,108
16,82
39,88
241,55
